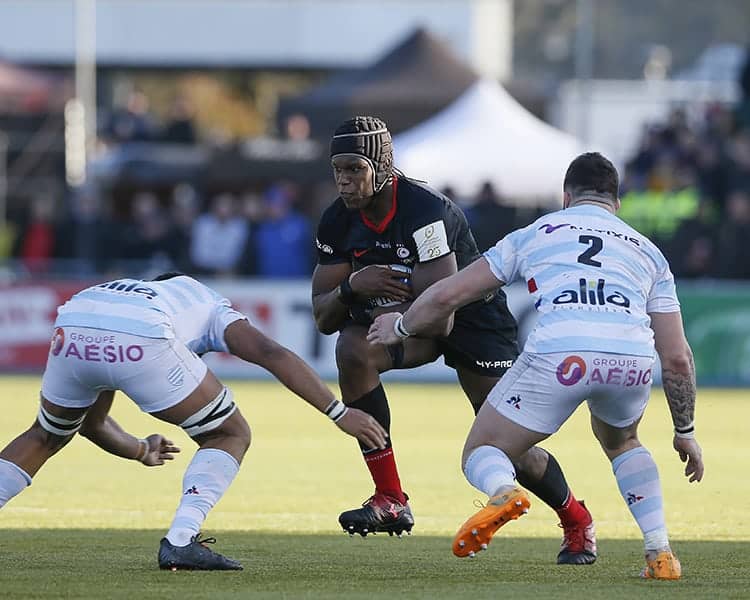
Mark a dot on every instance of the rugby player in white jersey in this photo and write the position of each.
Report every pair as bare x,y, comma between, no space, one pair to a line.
606,299
144,338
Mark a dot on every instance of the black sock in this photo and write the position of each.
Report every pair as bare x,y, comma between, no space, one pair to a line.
375,403
552,488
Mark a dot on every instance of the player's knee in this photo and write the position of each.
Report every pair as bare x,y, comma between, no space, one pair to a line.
352,353
218,419
615,441
238,428
533,461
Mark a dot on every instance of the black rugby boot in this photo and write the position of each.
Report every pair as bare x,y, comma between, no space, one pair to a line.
196,556
379,514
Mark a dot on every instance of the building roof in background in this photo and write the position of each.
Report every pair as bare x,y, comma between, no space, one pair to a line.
417,78
486,136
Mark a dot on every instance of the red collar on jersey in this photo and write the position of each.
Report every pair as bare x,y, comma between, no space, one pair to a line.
380,227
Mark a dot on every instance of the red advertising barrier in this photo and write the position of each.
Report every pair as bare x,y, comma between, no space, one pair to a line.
281,309
27,313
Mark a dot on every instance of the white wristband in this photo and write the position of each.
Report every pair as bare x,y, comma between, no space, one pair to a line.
336,410
399,329
686,432
142,450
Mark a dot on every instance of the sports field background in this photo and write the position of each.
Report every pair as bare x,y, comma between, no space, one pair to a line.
102,517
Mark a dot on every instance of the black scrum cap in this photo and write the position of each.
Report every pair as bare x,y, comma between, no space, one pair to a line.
368,138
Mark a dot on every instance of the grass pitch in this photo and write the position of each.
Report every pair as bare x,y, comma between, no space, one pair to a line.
89,526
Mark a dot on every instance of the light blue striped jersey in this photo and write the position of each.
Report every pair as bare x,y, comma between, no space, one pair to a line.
593,277
180,308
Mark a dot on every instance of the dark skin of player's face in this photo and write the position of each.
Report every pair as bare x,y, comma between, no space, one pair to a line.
354,182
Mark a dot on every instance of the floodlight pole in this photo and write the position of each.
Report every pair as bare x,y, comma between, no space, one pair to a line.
85,92
584,65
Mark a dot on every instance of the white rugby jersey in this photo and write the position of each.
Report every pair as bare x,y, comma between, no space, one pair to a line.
593,278
180,308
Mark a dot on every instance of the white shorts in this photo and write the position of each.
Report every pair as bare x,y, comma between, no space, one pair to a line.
540,391
155,373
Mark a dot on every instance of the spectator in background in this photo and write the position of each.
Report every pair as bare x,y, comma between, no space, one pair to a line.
743,108
183,213
84,235
143,242
692,247
733,241
180,128
490,218
218,238
739,153
283,241
297,127
711,165
35,244
253,210
133,122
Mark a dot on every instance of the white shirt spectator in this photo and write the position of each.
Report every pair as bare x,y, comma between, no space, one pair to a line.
218,238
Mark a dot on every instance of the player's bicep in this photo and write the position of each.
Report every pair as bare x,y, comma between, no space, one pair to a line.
250,344
669,334
427,273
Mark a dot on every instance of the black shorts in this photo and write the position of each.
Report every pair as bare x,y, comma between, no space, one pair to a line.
484,338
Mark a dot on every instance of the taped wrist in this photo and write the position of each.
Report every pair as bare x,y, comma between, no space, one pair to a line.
336,410
686,431
346,293
142,450
399,329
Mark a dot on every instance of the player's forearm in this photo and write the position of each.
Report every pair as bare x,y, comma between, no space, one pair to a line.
329,311
678,380
440,328
432,310
298,377
112,438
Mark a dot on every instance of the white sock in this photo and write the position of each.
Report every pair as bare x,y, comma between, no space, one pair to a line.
638,480
488,469
206,479
13,480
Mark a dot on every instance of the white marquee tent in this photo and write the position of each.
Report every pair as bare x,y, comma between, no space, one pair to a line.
485,135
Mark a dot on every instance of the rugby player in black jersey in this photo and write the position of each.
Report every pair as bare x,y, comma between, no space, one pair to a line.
382,242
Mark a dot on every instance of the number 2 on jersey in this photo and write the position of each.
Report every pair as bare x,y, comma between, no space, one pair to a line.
587,256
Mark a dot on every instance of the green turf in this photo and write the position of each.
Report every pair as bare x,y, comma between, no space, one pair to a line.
90,524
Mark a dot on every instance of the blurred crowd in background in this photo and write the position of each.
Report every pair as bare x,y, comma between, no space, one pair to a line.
687,187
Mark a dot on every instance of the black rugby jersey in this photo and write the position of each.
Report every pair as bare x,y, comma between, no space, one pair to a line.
421,226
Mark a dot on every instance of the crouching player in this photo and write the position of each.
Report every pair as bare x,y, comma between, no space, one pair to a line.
144,338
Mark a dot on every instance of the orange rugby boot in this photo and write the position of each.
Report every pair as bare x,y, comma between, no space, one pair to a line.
662,564
476,533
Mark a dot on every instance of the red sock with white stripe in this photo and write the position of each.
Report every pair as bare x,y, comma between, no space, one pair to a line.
381,463
572,512
382,466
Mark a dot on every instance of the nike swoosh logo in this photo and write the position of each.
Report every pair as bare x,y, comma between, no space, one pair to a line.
358,253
